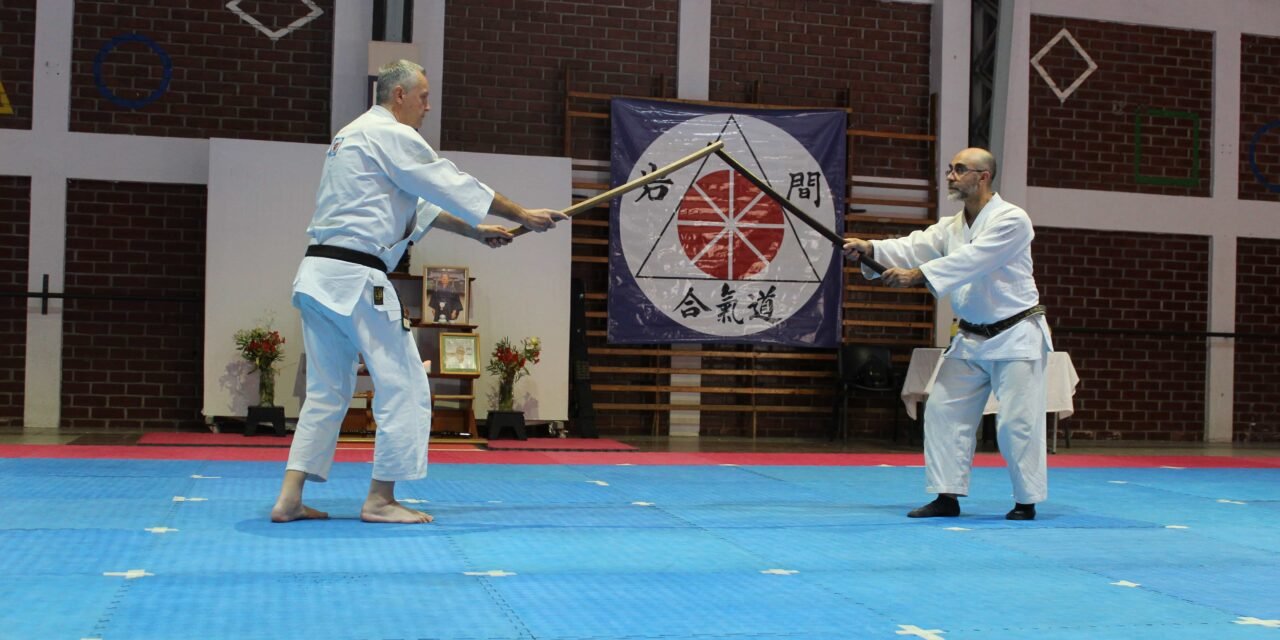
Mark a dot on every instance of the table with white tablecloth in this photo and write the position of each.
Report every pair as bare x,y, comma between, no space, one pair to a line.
1060,385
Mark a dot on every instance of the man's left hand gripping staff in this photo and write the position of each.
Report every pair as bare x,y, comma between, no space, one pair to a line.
901,278
541,219
533,219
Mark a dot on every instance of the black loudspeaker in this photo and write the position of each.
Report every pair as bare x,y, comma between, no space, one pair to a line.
582,411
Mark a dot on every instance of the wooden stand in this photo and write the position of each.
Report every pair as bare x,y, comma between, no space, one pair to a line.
499,421
452,403
460,418
359,421
258,415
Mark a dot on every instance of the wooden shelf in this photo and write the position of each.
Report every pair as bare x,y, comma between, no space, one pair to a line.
460,415
923,137
915,222
892,202
460,328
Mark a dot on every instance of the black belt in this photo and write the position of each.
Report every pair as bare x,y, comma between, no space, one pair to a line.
991,330
347,255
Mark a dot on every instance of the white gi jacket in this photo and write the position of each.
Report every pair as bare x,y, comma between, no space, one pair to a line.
381,188
986,269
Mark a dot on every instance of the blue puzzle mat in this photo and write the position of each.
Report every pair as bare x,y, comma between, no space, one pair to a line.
124,549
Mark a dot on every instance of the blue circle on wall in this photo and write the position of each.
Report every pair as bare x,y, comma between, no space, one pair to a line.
1253,156
150,44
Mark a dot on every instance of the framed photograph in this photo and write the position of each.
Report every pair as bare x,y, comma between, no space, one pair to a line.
445,295
459,353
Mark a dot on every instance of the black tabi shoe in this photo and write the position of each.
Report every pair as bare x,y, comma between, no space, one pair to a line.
1021,512
941,507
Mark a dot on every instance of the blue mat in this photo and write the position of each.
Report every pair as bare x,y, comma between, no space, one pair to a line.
183,549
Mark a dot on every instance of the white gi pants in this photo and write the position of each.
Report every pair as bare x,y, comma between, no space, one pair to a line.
953,415
401,399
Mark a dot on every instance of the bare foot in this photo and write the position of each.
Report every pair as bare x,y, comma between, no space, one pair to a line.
377,511
298,511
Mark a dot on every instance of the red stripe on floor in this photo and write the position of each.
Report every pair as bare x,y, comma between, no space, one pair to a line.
560,444
215,439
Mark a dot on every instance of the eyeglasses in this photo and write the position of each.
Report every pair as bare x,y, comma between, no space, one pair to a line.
960,170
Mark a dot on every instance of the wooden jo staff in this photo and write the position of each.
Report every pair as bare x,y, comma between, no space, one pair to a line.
796,211
714,147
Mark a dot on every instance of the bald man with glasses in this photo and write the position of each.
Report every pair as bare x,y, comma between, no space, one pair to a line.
981,259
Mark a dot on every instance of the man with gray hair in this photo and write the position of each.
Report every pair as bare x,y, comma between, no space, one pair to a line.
381,189
981,259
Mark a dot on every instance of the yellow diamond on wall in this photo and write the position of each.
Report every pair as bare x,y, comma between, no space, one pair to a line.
6,109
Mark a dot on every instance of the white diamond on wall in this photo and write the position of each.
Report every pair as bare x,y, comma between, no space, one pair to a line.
1063,94
315,12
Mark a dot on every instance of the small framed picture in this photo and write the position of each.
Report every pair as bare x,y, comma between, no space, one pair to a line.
445,294
458,353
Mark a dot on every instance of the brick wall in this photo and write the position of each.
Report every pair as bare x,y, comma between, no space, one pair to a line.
15,207
134,364
868,55
1259,107
1257,366
504,63
228,79
1132,386
1089,141
17,60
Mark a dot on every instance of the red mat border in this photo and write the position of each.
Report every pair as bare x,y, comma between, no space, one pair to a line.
560,444
197,439
479,456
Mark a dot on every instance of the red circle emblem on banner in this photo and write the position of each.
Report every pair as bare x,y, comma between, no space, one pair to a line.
728,227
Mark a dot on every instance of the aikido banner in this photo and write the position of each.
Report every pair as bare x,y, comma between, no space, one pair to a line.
702,255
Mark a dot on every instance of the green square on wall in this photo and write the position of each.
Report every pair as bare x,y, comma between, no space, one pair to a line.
1138,117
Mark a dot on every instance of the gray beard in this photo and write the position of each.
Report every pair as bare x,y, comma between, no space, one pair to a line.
954,195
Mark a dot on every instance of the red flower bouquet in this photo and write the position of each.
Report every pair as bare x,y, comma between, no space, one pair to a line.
510,364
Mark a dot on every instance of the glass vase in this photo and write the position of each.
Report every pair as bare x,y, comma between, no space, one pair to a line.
266,387
506,394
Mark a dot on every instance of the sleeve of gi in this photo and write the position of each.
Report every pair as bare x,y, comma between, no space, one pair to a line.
910,251
426,214
993,247
415,167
